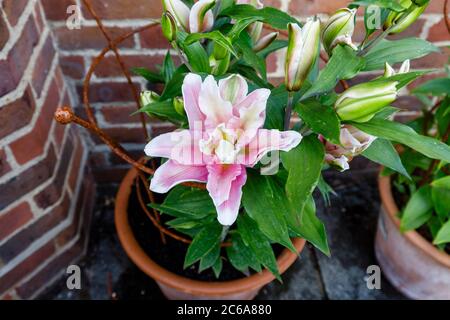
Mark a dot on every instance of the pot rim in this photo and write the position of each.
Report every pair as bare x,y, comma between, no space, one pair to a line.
388,203
164,276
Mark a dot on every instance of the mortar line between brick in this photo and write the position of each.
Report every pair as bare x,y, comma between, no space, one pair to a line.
16,32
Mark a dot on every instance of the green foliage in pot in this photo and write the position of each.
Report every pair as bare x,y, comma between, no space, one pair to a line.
235,131
426,193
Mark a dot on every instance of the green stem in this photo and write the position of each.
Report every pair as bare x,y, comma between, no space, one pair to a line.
181,55
287,116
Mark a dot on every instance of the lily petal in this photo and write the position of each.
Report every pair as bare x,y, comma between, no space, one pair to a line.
171,173
220,179
181,146
270,140
252,110
191,91
201,18
216,109
233,89
228,211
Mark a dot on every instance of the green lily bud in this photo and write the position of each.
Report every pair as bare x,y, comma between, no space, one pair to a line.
148,97
265,41
219,52
361,102
397,22
339,29
178,105
302,52
219,67
169,26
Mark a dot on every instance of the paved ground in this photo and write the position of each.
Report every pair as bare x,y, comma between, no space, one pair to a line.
350,222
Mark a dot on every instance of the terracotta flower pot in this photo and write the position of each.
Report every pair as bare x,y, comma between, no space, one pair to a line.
410,262
175,286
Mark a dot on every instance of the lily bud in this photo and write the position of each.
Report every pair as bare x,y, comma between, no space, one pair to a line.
302,52
265,41
148,97
178,105
361,102
353,143
398,21
179,10
219,52
339,29
255,29
169,26
199,18
389,71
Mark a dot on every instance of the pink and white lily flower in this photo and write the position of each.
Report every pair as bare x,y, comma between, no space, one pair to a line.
225,136
199,18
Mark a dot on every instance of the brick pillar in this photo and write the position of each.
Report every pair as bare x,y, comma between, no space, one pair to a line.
46,190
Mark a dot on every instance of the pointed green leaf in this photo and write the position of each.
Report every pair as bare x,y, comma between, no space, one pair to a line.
383,152
401,133
258,243
418,210
267,210
304,164
203,243
443,235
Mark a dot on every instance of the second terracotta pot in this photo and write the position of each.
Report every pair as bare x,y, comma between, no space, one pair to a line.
175,286
410,262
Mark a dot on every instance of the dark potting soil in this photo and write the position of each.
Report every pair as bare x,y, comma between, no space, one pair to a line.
170,255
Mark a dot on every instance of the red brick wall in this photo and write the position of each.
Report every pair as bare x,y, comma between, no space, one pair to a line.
42,65
43,203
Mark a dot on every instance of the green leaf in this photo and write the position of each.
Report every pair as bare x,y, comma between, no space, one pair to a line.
383,152
250,73
344,64
184,223
418,209
164,110
258,243
250,57
148,75
404,79
401,133
312,229
168,69
322,119
240,26
274,17
276,105
435,87
442,183
196,54
386,112
274,46
397,51
210,259
267,210
441,201
215,36
304,164
388,4
172,89
205,241
241,256
443,235
217,267
187,202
